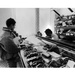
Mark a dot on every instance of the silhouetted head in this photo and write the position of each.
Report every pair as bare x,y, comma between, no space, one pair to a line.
48,33
10,23
39,33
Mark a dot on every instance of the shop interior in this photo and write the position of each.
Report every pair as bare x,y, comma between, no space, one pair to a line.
37,50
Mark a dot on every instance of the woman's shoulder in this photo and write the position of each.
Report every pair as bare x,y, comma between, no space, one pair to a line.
55,37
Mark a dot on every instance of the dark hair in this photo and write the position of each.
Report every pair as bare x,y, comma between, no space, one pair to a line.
48,32
39,33
10,21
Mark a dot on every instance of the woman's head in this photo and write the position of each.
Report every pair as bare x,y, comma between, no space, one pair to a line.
10,23
48,32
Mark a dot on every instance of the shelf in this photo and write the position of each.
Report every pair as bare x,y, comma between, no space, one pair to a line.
67,27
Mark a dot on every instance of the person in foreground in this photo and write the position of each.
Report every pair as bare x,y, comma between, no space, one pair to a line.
10,50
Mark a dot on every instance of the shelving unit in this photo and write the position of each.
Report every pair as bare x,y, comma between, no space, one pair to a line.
65,26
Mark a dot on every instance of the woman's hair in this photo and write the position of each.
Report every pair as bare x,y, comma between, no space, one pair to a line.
10,21
48,32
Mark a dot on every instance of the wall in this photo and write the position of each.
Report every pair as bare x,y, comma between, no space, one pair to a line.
46,19
65,11
25,21
5,13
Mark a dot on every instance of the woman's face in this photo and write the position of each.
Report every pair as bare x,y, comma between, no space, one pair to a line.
12,27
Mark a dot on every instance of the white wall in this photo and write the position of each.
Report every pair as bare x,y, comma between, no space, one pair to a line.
47,17
25,18
65,11
5,13
44,17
